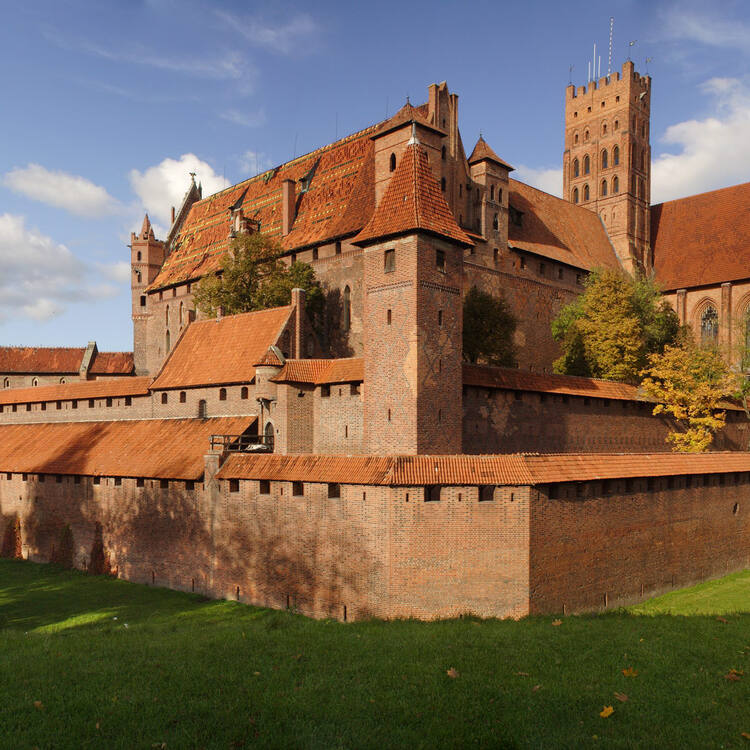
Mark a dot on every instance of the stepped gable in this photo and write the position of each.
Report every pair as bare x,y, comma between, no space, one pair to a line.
112,363
322,371
412,201
77,389
703,239
222,351
151,448
556,229
483,151
335,188
510,469
41,360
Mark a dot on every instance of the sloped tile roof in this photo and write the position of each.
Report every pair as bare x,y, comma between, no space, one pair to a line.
483,151
269,358
154,448
38,359
112,363
407,114
213,352
703,239
559,230
511,469
413,200
338,201
79,389
320,371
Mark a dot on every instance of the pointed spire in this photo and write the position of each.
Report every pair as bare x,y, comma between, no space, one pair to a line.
146,227
483,151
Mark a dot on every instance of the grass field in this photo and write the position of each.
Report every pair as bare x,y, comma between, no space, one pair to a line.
96,663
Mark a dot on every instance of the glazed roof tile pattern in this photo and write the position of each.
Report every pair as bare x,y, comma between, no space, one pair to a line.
515,469
112,363
413,200
322,371
558,230
703,239
213,352
336,199
521,380
483,151
81,389
176,447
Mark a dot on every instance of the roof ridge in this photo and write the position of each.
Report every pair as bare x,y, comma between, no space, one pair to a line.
700,195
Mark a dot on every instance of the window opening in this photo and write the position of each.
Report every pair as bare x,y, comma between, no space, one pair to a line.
389,261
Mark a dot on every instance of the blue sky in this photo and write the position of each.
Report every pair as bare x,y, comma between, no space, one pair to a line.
108,106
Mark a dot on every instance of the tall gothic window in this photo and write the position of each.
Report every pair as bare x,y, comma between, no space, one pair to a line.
586,164
615,185
576,168
575,195
168,342
616,155
709,326
746,361
347,309
603,191
393,162
585,192
605,159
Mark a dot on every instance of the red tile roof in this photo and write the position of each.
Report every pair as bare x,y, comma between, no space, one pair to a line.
405,115
37,359
413,200
112,363
516,469
155,448
79,389
483,151
213,352
338,201
559,230
319,371
703,239
270,358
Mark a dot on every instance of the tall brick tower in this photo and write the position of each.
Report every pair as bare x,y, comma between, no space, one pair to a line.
146,259
607,159
412,323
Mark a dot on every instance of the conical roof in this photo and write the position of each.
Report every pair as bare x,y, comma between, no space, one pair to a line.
412,201
146,226
483,151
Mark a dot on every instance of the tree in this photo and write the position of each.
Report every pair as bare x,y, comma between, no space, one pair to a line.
489,326
689,383
610,330
253,277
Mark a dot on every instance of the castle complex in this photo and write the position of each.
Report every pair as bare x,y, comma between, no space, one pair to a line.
359,466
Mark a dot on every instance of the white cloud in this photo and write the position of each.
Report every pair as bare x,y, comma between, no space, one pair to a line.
286,38
696,25
254,162
246,119
709,153
40,276
119,272
70,192
547,179
164,185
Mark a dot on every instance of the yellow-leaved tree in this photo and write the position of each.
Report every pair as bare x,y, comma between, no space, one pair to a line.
689,382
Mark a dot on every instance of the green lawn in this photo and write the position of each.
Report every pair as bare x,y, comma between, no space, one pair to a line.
89,662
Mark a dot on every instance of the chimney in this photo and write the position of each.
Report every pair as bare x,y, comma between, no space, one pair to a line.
288,206
298,302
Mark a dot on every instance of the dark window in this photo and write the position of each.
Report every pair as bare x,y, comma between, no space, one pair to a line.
28,407
541,269
164,398
164,484
709,326
222,394
298,489
58,405
586,164
440,318
243,392
58,478
109,402
128,401
334,490
143,300
264,487
92,403
234,485
15,407
338,247
388,318
605,159
442,153
603,189
393,162
325,391
354,389
97,480
140,482
346,310
183,397
315,253
24,477
616,151
442,184
77,479
118,481
492,195
440,260
432,493
41,478
615,185
486,493
9,476
389,261
575,195
189,485
586,193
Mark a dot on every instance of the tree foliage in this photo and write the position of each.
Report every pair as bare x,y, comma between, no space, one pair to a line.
253,277
611,329
689,382
489,326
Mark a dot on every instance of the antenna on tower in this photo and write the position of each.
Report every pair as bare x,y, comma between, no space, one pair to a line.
648,60
570,75
593,64
611,28
630,46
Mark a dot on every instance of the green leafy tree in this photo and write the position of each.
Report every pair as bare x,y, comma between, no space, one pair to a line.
689,382
489,326
610,330
253,277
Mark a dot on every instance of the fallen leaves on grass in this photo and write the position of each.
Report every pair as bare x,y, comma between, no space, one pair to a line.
621,697
722,619
606,712
746,735
556,622
630,672
38,705
521,674
452,673
734,675
535,688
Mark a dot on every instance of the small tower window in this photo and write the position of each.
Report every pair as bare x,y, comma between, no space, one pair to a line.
575,137
168,342
585,136
575,195
389,261
615,188
442,153
576,168
388,317
138,255
346,317
440,260
586,164
6,382
604,126
442,184
495,222
603,191
137,277
143,300
617,125
605,159
166,315
440,318
202,410
616,155
393,162
180,313
492,192
586,192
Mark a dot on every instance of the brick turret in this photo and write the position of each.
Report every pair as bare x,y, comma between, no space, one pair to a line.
607,159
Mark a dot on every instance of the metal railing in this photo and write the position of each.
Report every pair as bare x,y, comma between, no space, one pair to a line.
242,443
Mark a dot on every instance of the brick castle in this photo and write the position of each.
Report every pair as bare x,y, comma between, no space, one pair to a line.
394,478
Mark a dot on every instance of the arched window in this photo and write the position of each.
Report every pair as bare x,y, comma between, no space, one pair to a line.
585,135
166,315
6,382
709,326
575,195
202,410
180,314
495,222
346,318
492,192
167,342
442,153
617,124
604,129
616,155
35,382
605,159
585,192
586,164
603,189
222,394
63,381
244,393
393,162
576,168
268,435
615,185
575,139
